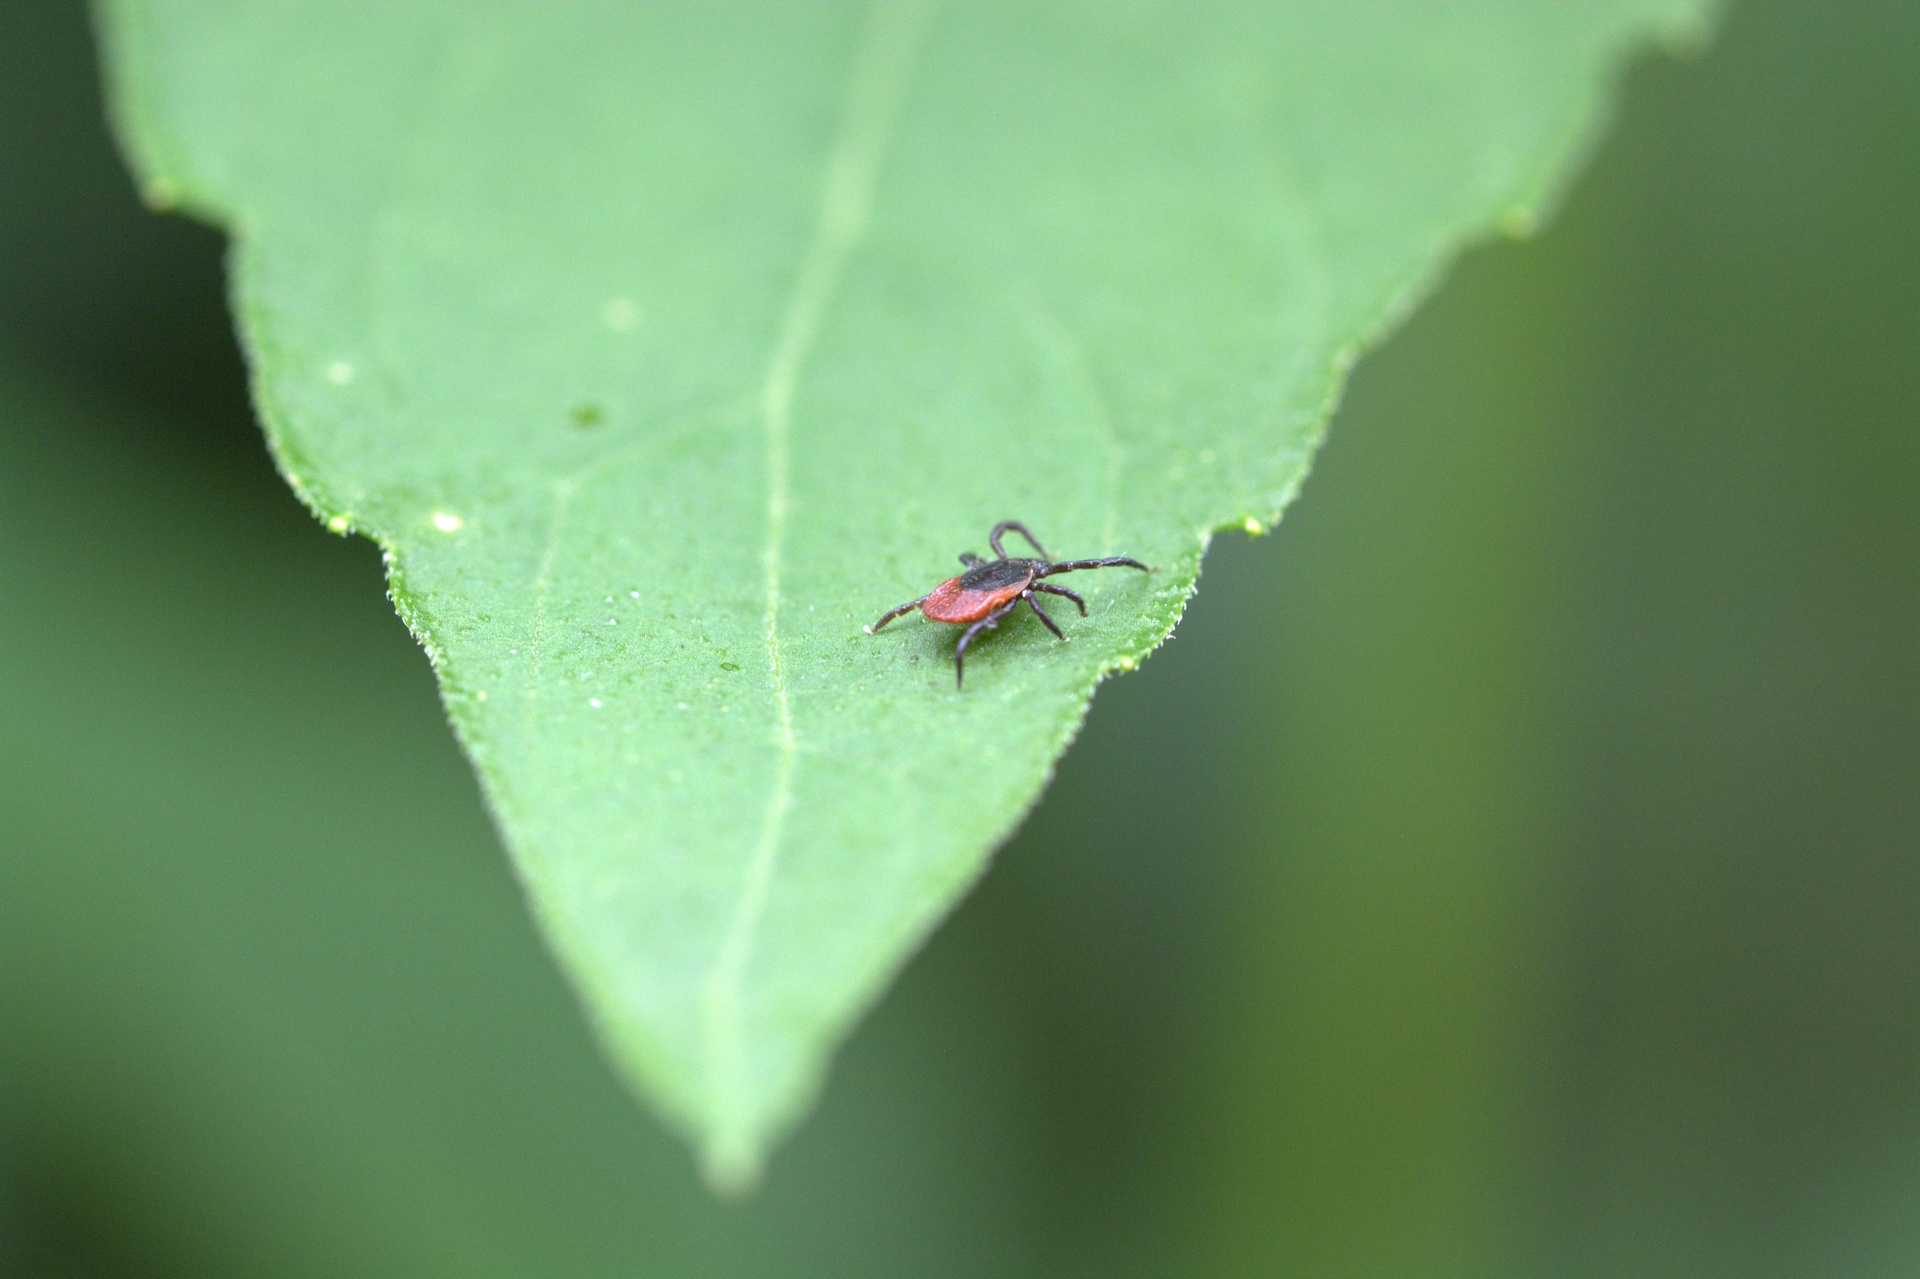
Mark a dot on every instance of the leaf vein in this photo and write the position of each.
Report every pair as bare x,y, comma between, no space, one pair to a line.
888,43
542,578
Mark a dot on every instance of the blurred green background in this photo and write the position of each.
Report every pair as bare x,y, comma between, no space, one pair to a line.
1512,867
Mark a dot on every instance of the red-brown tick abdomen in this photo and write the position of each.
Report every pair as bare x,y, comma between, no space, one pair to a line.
951,602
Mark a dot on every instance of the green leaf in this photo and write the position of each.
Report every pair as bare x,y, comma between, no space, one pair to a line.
662,348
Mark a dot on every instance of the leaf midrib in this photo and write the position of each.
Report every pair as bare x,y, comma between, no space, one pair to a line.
889,41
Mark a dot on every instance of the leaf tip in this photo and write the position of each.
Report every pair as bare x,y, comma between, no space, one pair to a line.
732,1166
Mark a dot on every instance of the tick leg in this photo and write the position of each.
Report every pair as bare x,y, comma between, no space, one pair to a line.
986,623
1014,526
1041,613
1061,590
895,612
1117,561
970,559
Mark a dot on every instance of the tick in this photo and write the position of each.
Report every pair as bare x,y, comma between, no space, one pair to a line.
991,589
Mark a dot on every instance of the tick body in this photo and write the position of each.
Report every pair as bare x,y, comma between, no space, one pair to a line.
991,589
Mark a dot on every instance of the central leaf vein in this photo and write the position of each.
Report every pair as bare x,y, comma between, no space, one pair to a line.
888,43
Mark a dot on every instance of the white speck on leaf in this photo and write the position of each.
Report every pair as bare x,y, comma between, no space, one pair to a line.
447,523
621,314
160,194
340,373
1519,222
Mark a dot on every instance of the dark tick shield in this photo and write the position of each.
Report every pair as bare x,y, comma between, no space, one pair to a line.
991,589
